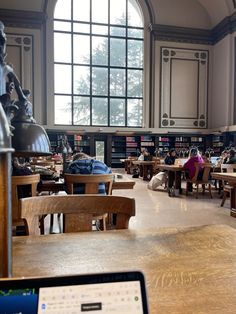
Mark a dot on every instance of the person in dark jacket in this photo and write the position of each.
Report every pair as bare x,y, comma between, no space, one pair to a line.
231,159
170,160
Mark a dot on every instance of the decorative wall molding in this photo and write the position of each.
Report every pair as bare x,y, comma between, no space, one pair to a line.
181,34
178,99
20,49
22,19
195,35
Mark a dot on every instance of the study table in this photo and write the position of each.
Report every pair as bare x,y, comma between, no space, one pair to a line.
56,186
177,169
187,270
145,167
230,177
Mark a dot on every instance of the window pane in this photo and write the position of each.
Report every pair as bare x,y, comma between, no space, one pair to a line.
135,33
117,52
81,28
118,12
81,49
135,113
62,110
63,10
100,11
81,111
81,10
135,83
99,50
117,82
100,81
62,79
135,53
118,31
62,26
100,111
134,14
81,80
117,112
99,29
60,42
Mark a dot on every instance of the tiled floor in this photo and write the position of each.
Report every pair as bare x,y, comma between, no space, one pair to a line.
157,209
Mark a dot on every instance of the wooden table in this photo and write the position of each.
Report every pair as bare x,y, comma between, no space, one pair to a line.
56,186
231,178
145,167
177,169
187,270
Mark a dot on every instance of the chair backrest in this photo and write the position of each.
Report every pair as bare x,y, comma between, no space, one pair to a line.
228,167
206,168
78,210
91,182
32,181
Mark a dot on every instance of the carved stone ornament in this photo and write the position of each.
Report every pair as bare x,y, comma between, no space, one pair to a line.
165,122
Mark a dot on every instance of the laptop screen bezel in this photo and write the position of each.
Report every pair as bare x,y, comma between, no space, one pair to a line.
42,282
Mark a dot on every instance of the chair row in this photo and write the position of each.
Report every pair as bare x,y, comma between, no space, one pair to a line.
91,183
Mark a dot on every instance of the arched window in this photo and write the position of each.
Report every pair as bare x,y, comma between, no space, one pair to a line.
98,63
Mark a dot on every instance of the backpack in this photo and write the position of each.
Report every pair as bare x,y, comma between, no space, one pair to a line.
157,180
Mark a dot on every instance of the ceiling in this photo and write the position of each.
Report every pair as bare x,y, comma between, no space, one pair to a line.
217,10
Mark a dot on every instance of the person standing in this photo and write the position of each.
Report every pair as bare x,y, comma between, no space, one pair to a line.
170,160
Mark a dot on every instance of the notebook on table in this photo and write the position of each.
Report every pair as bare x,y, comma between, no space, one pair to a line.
111,293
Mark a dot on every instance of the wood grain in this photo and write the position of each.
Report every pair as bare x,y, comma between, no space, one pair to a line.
187,270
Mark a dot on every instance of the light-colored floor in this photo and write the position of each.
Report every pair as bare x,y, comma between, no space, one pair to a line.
157,209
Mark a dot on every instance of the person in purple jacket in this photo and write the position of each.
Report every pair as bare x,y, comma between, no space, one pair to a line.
194,156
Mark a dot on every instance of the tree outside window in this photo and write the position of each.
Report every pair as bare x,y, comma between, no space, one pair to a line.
98,63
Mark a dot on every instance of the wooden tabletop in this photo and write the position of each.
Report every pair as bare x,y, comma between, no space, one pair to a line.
227,176
187,270
170,167
122,182
119,183
143,162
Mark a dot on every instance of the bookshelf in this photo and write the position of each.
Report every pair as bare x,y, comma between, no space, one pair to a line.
118,150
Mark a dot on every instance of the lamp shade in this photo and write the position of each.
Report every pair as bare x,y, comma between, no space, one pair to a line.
30,139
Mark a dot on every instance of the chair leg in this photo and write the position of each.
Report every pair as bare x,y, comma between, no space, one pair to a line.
197,191
104,223
223,199
203,188
209,188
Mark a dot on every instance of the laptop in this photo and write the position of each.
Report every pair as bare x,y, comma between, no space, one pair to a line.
180,161
110,293
214,160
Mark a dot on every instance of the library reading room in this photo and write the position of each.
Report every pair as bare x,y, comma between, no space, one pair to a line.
118,156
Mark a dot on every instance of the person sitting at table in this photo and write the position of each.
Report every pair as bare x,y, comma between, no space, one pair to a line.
20,168
189,167
170,160
231,158
85,164
144,153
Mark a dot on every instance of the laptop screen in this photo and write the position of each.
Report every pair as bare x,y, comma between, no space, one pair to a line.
112,293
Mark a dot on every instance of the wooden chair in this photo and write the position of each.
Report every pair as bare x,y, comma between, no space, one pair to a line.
91,183
206,168
78,210
17,181
227,189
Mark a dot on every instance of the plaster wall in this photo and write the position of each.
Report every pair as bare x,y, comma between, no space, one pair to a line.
184,13
221,106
